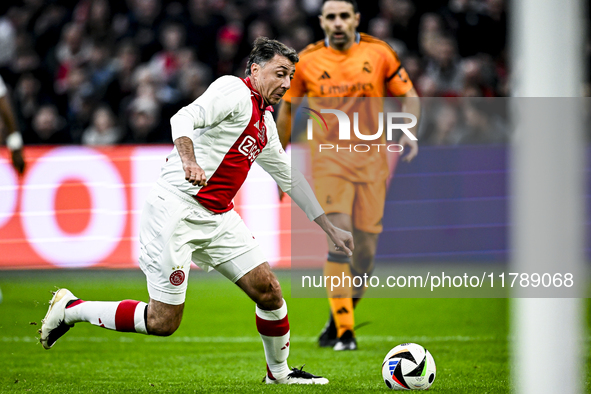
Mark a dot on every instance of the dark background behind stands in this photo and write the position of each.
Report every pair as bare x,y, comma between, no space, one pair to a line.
102,72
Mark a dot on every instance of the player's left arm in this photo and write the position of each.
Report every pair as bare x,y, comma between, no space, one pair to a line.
398,84
412,105
277,163
274,160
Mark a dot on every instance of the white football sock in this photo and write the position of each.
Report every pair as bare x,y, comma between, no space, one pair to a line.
125,316
273,326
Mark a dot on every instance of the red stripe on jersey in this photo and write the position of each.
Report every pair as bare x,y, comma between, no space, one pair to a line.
124,316
273,328
225,182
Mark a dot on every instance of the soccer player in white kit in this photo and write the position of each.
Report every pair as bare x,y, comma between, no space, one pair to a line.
189,214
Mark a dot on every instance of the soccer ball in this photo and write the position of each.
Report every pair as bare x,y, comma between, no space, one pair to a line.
409,367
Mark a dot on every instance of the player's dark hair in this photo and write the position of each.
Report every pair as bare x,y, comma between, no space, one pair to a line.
352,2
264,49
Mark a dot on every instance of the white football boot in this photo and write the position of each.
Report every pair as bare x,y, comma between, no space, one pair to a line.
53,325
297,376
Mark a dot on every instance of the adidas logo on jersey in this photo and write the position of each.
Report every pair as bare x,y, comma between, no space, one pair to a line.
261,131
324,76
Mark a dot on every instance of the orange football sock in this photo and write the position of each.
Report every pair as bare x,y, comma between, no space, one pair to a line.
340,298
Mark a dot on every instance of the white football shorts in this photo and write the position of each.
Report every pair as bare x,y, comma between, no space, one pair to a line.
175,230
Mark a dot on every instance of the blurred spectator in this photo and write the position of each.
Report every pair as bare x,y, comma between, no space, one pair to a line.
47,27
149,84
195,80
166,62
287,16
101,66
103,130
203,30
496,27
444,68
256,28
121,86
143,122
98,21
478,74
49,127
427,86
431,29
480,27
25,60
28,97
444,127
482,123
80,98
72,51
144,23
401,16
227,48
413,66
301,37
380,28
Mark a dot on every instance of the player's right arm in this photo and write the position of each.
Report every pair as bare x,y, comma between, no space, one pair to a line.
193,173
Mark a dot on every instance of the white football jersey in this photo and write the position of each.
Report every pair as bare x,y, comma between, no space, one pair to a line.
231,127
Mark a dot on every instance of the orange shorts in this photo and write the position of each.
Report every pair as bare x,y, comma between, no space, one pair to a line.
364,202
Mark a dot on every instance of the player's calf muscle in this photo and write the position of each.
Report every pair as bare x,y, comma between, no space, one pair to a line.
163,319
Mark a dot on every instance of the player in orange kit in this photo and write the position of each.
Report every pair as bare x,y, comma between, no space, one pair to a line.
350,186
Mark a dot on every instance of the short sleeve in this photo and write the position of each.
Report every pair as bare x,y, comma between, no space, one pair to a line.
398,82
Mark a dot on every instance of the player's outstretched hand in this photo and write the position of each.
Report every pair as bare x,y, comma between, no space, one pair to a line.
194,174
18,161
343,241
413,145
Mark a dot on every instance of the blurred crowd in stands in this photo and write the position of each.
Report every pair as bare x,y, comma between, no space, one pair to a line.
101,72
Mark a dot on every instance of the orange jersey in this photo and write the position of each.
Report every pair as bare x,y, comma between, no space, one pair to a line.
370,68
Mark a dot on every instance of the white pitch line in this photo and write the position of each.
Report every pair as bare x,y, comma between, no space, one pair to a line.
188,339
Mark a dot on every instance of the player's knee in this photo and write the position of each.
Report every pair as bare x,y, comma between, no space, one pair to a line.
270,296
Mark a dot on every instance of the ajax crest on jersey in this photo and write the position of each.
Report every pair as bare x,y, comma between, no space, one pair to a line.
409,367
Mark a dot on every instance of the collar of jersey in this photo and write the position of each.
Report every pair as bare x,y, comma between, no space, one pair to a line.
259,99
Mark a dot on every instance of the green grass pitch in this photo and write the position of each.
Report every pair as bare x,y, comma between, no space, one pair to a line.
217,348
